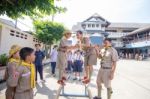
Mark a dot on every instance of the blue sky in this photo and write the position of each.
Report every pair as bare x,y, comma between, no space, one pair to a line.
112,10
137,11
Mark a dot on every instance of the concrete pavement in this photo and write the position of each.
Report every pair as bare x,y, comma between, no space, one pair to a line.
132,81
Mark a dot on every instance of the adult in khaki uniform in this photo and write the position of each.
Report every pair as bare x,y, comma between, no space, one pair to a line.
25,80
90,57
10,73
61,63
109,57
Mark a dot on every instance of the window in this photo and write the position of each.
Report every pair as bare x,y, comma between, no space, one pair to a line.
97,25
12,32
111,30
89,25
83,26
17,33
93,25
127,30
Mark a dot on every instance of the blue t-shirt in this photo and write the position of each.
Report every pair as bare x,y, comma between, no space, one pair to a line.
39,57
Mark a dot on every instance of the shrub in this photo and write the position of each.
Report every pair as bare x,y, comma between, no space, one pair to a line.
3,59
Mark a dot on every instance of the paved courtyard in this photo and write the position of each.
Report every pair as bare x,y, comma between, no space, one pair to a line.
132,81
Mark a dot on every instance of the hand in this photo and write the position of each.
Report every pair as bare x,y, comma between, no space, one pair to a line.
77,45
111,76
15,75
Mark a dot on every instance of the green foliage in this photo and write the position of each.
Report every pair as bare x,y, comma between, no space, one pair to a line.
3,59
48,32
33,8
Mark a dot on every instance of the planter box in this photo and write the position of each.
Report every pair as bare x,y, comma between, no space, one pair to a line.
2,73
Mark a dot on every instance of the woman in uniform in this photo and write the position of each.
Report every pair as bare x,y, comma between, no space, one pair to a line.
90,57
10,73
64,46
25,81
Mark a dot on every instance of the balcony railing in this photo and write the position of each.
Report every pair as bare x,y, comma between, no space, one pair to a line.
118,44
138,40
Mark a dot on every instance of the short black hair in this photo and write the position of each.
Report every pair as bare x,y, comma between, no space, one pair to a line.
55,46
24,52
37,45
107,39
80,32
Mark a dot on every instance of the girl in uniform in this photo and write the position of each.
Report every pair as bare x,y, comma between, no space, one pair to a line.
10,73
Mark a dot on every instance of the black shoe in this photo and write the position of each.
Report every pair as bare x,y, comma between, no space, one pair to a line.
97,97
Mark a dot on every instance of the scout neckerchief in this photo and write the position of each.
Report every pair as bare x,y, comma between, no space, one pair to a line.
32,69
14,60
83,41
106,48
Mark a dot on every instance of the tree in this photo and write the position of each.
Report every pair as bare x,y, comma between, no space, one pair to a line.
48,32
36,8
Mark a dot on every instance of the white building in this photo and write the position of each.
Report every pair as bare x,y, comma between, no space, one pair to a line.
94,24
115,31
10,35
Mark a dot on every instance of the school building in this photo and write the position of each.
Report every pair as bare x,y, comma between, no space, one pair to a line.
10,35
126,37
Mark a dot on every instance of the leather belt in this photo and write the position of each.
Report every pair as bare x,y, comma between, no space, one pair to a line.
28,90
61,50
106,67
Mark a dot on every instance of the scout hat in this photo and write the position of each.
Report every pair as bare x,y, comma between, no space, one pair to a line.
13,50
66,32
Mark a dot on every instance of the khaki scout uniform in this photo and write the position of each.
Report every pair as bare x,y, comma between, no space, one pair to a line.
23,83
10,81
62,56
108,56
90,57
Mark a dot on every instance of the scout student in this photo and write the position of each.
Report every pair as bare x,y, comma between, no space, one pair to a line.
109,57
38,61
10,73
78,62
25,81
90,57
62,56
70,61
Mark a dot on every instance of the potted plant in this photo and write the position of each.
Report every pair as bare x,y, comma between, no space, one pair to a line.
3,60
3,63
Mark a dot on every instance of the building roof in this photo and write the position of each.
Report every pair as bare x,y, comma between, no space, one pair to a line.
8,22
116,35
97,16
128,25
140,30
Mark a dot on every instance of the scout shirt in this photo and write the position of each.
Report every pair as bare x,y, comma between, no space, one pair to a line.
23,80
11,72
109,55
88,50
62,54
